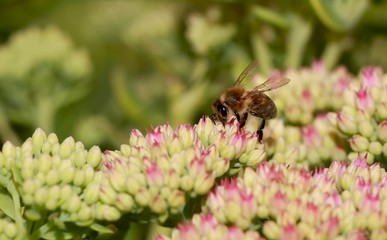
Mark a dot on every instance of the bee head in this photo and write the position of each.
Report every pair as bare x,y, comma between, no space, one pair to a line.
221,111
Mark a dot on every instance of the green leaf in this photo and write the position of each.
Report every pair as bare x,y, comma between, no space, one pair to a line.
269,16
6,204
101,229
262,53
299,34
339,15
32,214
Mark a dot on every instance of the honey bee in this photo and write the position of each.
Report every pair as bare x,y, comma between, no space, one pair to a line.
240,103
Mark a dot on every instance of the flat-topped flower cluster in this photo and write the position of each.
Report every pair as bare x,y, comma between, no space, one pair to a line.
281,202
154,174
211,181
328,116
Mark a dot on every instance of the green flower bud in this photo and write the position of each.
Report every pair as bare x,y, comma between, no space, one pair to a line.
346,181
256,156
89,173
262,212
203,183
366,129
53,177
73,204
27,172
227,151
51,204
52,138
117,180
359,143
176,199
91,193
143,197
375,148
346,123
172,179
85,213
9,151
67,174
46,148
54,192
29,186
38,138
175,146
126,150
40,196
132,185
28,199
381,111
271,230
94,157
65,193
382,131
80,158
44,163
221,166
186,183
26,148
158,205
124,202
108,213
233,212
79,178
55,148
107,194
67,147
10,230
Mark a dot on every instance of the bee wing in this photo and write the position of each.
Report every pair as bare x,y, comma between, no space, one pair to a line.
273,82
247,73
262,106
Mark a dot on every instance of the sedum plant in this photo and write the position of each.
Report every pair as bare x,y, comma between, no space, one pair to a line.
61,190
324,177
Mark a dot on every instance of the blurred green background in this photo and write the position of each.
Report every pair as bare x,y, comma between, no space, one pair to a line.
97,69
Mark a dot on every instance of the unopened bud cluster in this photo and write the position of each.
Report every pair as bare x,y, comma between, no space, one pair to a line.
282,202
8,229
158,170
311,134
206,226
363,118
309,145
54,176
311,90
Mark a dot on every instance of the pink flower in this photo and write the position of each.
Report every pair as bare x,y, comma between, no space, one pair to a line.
364,100
155,137
342,84
154,175
330,227
371,201
290,232
311,136
361,162
371,76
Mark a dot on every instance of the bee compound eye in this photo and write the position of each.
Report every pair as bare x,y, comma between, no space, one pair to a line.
223,110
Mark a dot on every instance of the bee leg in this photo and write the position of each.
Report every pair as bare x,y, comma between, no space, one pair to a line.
242,121
260,132
213,118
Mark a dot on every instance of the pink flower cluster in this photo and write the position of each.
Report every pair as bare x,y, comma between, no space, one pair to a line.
362,120
159,170
282,202
310,134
